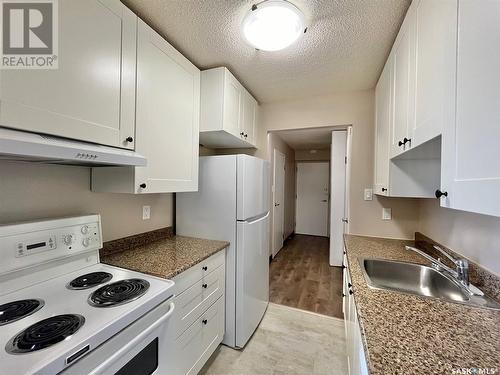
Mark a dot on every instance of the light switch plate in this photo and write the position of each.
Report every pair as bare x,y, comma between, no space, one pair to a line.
368,194
386,213
146,212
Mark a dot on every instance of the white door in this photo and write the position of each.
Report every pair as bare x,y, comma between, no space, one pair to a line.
470,167
312,198
338,196
91,96
382,130
252,276
403,89
168,100
233,105
252,192
278,201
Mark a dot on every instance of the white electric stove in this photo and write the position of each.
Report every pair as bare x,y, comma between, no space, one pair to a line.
58,304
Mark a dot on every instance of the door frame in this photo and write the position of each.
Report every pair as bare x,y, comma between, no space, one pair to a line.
337,258
277,154
329,193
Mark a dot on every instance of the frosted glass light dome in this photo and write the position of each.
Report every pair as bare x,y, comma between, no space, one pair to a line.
273,25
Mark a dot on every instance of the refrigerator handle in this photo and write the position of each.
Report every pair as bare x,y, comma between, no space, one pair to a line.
256,219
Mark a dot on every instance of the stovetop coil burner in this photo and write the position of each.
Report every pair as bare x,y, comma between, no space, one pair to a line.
118,293
45,333
89,280
12,311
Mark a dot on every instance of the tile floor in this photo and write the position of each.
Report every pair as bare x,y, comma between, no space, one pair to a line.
288,341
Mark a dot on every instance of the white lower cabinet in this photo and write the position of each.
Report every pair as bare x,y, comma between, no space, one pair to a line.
356,360
167,123
197,326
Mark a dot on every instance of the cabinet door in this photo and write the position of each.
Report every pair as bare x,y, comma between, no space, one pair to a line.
249,117
382,131
470,167
403,86
233,103
436,29
167,123
91,96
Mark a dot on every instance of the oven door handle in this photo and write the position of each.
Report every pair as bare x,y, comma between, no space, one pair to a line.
122,351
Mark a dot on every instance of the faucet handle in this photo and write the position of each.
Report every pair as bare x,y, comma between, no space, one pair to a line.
438,248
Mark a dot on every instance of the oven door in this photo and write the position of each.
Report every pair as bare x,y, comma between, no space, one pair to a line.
137,350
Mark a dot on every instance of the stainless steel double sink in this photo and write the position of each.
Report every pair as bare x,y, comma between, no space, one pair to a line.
420,280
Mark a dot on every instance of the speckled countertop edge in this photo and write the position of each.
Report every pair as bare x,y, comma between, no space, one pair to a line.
407,334
167,257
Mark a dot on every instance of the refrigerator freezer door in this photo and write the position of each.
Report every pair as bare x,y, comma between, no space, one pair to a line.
252,276
252,187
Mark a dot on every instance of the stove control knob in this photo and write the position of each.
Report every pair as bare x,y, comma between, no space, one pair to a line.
68,239
85,242
85,229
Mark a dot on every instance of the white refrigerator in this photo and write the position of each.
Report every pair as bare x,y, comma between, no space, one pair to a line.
232,204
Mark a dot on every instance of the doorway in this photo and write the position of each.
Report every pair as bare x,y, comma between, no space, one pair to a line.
278,201
312,198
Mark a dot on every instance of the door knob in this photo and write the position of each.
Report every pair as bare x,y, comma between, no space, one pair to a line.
440,193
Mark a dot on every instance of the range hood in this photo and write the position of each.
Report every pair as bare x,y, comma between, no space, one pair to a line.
18,145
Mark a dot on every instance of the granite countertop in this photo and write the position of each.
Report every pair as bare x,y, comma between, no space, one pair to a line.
407,334
167,257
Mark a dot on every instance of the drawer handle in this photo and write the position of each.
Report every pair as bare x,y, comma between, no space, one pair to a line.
204,268
205,286
204,321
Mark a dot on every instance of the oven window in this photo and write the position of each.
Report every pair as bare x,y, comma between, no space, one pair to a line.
144,363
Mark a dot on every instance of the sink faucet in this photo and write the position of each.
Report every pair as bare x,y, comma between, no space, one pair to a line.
461,271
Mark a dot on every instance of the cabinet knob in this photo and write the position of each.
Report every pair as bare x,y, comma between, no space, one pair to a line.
349,285
143,186
343,266
242,134
204,321
384,189
406,140
205,286
350,292
246,135
204,268
400,143
440,193
343,295
129,139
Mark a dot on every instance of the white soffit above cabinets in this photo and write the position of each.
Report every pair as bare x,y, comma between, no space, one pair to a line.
344,49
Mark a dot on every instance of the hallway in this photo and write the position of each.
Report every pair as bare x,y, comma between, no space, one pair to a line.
301,277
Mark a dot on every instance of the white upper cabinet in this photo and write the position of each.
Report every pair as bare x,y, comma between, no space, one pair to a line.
435,61
403,86
228,112
91,96
471,167
382,130
167,122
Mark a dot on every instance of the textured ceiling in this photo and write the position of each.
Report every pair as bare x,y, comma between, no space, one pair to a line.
344,48
304,139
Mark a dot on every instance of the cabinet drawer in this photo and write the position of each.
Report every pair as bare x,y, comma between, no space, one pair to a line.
196,345
189,277
192,302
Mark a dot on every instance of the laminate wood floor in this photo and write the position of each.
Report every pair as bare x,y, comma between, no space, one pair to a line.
301,277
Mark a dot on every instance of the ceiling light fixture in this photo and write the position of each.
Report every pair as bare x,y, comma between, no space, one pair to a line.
273,25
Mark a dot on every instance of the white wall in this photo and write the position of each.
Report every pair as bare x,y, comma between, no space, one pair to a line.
475,236
356,109
31,191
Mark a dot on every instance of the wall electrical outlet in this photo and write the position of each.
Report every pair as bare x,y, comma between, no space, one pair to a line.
386,213
368,194
146,212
